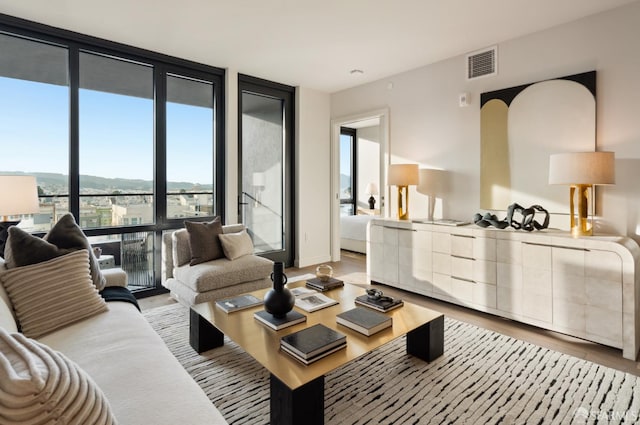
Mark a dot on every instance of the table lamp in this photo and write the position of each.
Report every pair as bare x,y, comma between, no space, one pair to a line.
18,196
372,189
430,182
582,170
403,175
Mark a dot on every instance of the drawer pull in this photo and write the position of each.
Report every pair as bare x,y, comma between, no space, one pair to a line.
464,258
463,279
463,236
557,246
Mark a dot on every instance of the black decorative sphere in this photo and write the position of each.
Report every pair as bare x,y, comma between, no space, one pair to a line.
279,300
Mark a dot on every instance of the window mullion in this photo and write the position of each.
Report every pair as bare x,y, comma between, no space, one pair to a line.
74,131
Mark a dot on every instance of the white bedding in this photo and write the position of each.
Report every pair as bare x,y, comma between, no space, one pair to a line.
353,232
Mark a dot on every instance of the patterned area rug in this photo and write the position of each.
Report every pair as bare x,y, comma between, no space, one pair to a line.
483,378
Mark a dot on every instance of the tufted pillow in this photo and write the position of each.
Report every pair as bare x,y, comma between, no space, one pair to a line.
235,245
53,294
203,240
23,248
40,385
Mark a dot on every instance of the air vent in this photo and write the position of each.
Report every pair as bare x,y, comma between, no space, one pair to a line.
482,63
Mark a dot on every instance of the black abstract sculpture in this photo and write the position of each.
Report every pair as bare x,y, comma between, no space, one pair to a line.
527,220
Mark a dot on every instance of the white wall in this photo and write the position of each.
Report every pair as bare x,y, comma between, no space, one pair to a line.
313,177
428,127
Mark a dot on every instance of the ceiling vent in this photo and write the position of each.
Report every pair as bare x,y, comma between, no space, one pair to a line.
482,63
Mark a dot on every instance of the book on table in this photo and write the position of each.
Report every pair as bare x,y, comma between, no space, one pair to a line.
385,304
314,301
312,342
292,318
301,290
229,305
318,284
314,358
364,320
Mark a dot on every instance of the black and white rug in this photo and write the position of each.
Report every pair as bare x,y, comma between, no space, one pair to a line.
483,378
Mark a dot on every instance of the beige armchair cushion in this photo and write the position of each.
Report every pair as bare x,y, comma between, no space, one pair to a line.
235,245
222,273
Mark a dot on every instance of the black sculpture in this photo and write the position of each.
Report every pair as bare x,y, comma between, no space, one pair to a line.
527,222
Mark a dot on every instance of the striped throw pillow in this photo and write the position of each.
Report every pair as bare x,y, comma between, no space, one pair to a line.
53,294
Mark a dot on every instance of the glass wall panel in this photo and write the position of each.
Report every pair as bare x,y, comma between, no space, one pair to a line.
347,171
34,122
262,170
190,147
116,127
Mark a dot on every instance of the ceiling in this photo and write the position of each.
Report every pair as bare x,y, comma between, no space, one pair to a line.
310,43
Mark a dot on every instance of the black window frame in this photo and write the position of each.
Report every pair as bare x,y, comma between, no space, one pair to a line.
353,134
163,65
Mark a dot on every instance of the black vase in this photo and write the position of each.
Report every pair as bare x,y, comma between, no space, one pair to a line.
279,300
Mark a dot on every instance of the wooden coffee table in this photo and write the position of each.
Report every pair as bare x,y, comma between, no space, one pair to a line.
297,391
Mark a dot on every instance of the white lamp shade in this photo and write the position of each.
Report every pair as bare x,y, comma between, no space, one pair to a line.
431,181
403,175
372,189
582,168
18,195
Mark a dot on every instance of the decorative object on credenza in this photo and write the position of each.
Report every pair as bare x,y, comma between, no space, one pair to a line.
489,219
527,218
521,126
324,272
403,176
18,196
279,300
581,171
430,183
372,189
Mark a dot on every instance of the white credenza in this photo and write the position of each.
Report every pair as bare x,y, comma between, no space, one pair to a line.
586,287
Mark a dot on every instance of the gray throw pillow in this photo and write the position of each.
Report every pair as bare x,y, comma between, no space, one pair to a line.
65,236
203,240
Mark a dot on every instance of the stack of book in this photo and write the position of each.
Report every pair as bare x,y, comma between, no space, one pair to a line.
383,304
292,318
313,343
322,286
364,320
241,302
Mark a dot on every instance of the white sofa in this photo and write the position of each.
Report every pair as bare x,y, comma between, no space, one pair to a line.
141,379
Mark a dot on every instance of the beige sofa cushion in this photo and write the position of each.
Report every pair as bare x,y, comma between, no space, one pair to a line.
223,272
52,294
7,320
40,385
133,367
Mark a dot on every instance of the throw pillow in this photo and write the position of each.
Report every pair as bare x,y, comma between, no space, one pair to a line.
235,245
40,385
23,248
203,240
66,234
53,294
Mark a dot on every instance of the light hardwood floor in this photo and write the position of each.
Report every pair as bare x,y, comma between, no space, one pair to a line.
352,268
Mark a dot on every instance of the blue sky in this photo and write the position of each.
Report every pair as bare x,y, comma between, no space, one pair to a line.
116,134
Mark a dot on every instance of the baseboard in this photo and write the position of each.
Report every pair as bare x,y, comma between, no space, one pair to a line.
310,261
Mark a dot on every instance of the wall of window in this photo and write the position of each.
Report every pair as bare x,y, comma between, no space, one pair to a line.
129,141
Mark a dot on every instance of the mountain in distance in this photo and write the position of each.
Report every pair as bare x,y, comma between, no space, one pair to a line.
106,184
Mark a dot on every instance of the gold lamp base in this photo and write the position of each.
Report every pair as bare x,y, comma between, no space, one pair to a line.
581,225
403,207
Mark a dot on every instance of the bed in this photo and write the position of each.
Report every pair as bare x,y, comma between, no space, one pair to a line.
353,232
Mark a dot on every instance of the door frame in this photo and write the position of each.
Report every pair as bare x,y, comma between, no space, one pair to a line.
260,86
336,123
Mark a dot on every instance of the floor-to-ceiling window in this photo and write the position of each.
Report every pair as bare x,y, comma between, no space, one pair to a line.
129,141
348,174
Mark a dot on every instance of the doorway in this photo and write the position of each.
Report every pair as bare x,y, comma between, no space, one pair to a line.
265,166
370,166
